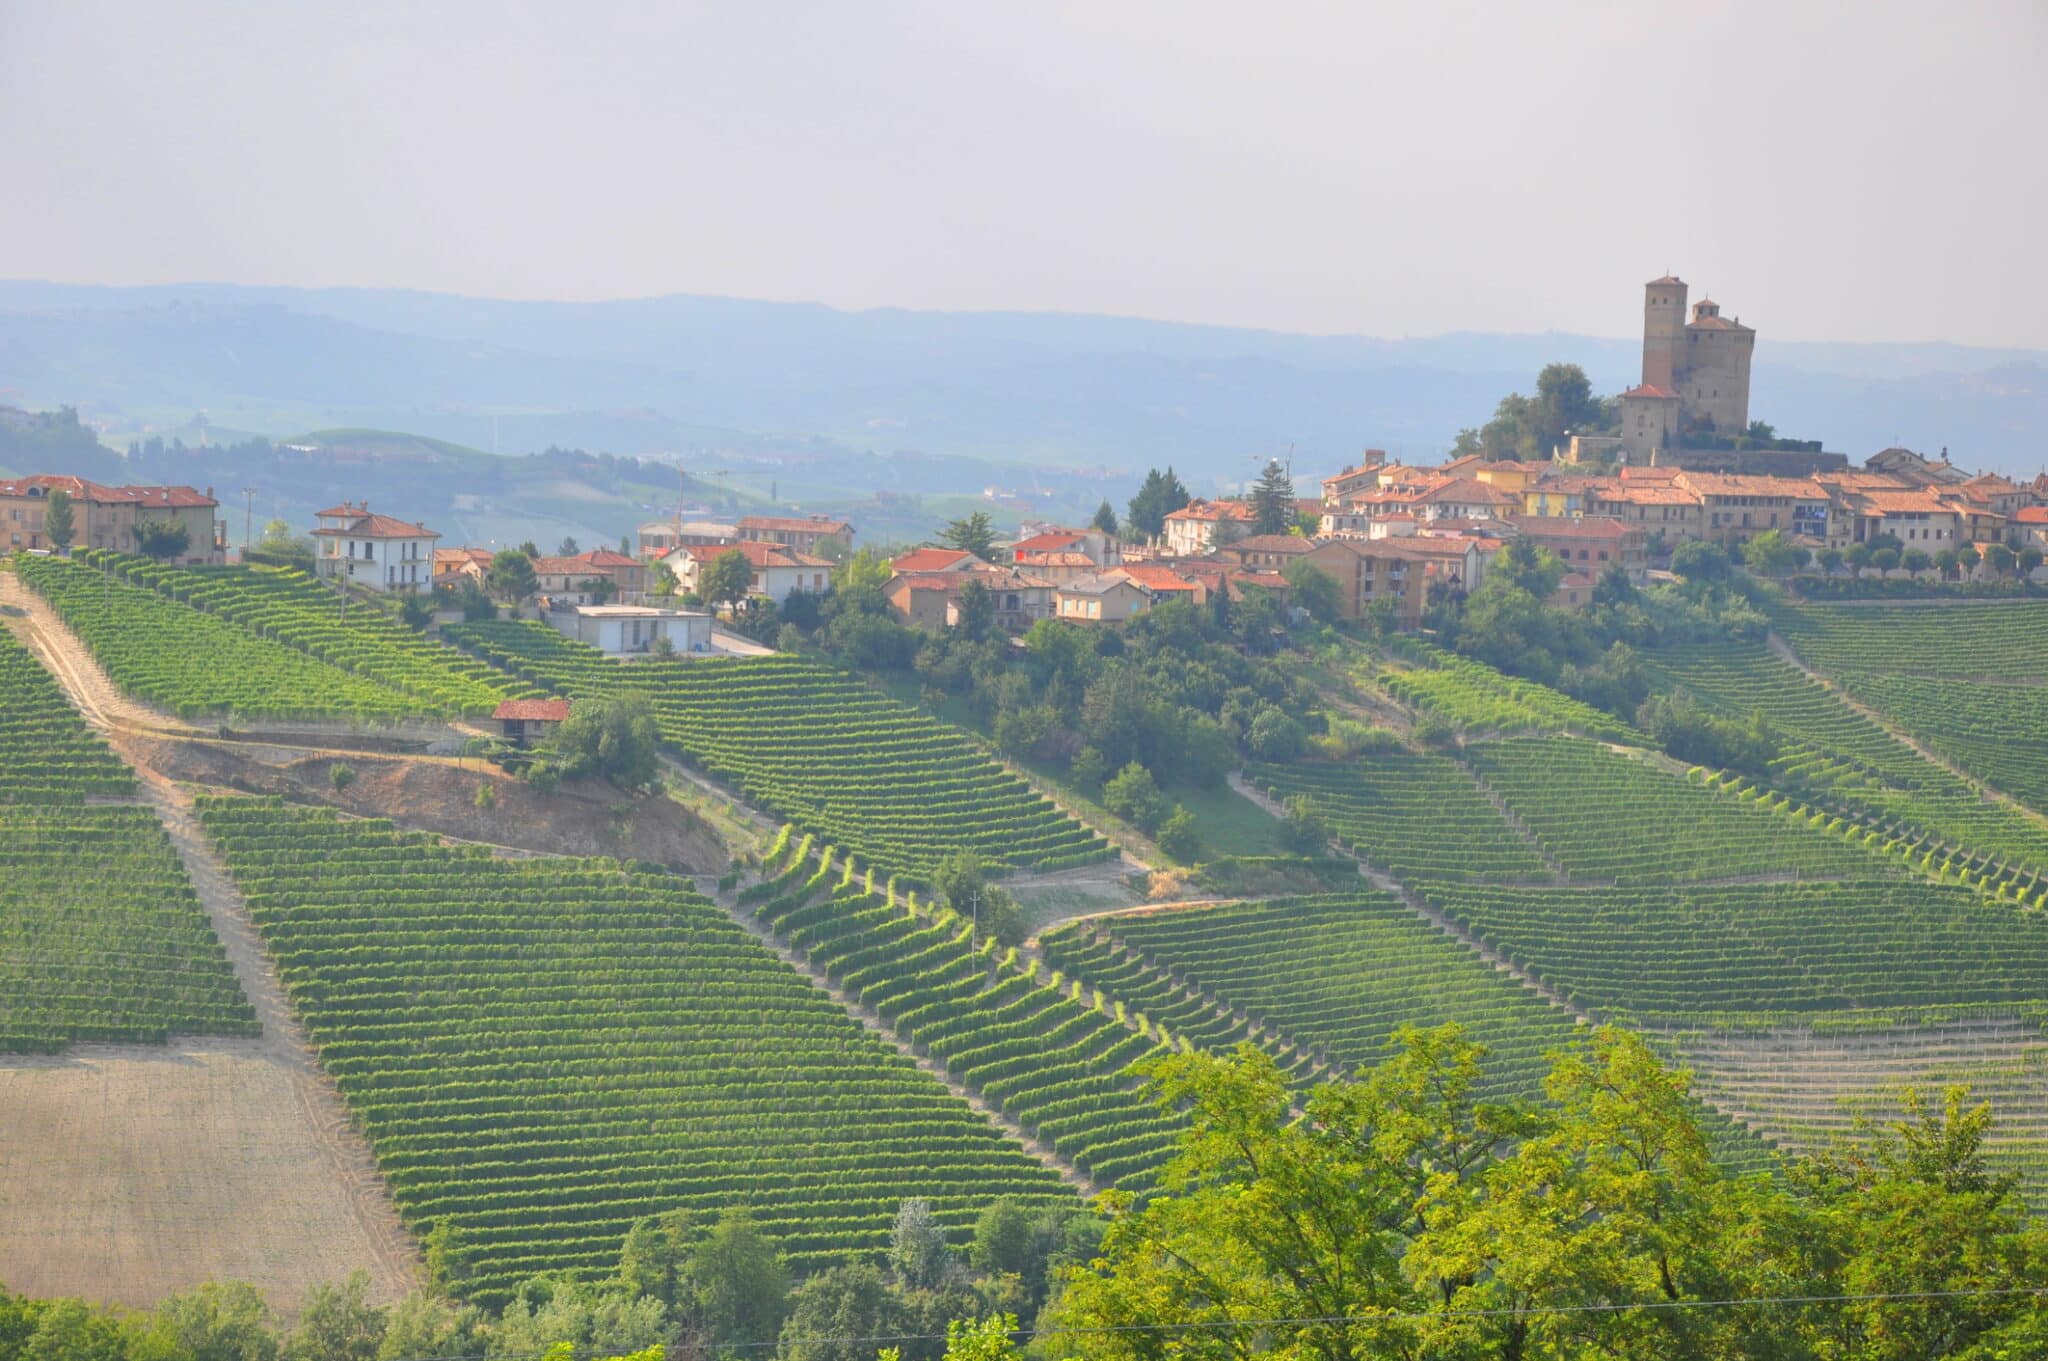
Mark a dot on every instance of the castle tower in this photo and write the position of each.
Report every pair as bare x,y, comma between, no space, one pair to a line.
1713,369
1663,331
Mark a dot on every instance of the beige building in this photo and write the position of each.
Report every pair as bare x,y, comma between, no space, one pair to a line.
105,517
1203,526
805,534
1705,360
1100,600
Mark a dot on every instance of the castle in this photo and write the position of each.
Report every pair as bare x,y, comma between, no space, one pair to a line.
1695,373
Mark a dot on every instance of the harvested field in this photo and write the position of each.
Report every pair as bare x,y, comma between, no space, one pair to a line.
131,1171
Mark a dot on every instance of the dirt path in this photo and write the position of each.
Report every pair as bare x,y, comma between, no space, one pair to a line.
874,1022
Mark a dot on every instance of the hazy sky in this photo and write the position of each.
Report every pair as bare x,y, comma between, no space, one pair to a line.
1842,171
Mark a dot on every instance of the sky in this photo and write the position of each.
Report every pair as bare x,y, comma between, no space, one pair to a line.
1846,171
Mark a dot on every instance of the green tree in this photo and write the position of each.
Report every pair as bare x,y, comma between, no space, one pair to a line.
1179,837
1272,500
833,1313
568,547
1004,1240
1133,795
1159,496
918,1251
1915,561
987,1339
2029,560
726,579
599,589
1831,560
72,1330
654,1261
1699,561
161,540
866,569
1314,590
59,522
739,1282
972,533
511,576
1769,554
612,737
338,1324
1105,518
1969,557
2000,558
425,1327
975,611
216,1321
448,1257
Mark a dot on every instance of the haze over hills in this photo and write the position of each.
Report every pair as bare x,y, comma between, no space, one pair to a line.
690,375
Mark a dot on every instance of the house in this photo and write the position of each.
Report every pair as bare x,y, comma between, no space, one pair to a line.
931,600
372,550
1163,583
1917,519
1201,526
1589,543
1651,505
523,722
455,567
1574,591
570,579
919,560
1365,477
1100,600
805,534
627,630
105,517
658,538
1272,552
1064,555
1560,494
1456,561
777,573
1736,507
1368,571
2030,526
1465,498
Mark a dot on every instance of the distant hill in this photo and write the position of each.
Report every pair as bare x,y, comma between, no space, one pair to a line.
698,377
53,441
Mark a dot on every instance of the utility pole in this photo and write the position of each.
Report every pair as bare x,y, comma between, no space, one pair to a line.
974,920
248,519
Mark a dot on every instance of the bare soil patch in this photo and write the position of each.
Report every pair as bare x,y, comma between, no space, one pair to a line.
128,1172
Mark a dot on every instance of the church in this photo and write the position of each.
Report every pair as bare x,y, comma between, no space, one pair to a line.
1695,373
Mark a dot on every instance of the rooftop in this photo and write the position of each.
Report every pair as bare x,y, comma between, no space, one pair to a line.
533,710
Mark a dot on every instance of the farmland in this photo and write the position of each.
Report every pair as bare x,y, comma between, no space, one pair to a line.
195,664
871,776
1475,697
131,959
543,1051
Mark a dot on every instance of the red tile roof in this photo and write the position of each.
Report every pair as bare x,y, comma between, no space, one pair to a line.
533,710
1212,510
810,524
2031,515
1157,579
1049,543
932,560
168,498
1651,390
1566,527
757,554
379,527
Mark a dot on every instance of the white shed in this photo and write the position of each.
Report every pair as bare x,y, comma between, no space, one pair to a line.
629,630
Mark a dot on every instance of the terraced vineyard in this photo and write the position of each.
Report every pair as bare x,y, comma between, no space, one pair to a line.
1415,814
1694,949
1607,816
287,605
1475,697
1969,680
195,664
101,936
542,1051
1049,1054
1842,754
873,777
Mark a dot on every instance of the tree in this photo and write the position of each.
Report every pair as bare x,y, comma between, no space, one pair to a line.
338,1324
918,1251
567,548
1274,735
1614,587
654,1261
1831,560
161,540
599,589
867,569
1969,557
959,876
1003,1239
972,533
1159,496
1314,590
2029,560
1946,562
216,1321
1132,794
1699,561
726,579
1179,837
985,1339
1272,500
1761,432
1769,554
975,608
613,737
59,523
1105,518
511,576
739,1282
1999,558
448,1257
834,1313
1915,561
1884,559
1564,402
1303,830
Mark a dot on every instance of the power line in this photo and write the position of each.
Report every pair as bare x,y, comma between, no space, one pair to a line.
1389,1316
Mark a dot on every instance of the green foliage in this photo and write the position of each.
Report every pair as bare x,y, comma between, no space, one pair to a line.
972,533
341,776
1272,500
611,737
1770,554
60,523
1314,590
1179,837
1133,795
1690,732
918,1251
511,576
161,539
727,579
1105,519
1159,496
739,1281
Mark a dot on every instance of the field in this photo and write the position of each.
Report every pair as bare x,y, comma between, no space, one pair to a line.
1049,1054
543,1051
871,776
194,664
101,937
1969,680
286,605
1474,697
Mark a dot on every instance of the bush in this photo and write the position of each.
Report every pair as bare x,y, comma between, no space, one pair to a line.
341,777
1178,837
1134,796
1088,769
1274,736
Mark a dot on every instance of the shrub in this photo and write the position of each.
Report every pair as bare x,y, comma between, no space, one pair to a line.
1133,796
341,777
1178,837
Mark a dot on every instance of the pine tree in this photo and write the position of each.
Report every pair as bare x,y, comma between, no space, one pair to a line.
1272,500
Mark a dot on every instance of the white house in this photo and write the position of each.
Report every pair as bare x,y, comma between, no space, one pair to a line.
373,550
778,573
625,630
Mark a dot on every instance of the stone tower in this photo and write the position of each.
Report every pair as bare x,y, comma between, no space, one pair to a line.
1713,372
1663,331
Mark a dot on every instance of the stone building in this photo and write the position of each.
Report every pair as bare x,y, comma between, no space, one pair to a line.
1695,373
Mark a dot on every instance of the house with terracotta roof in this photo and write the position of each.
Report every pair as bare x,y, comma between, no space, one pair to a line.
105,517
657,539
1589,543
2030,526
1655,507
1100,600
1270,552
1201,526
455,567
1368,571
1365,477
356,544
778,572
805,534
1066,554
1163,583
921,560
1736,507
1917,517
576,580
931,600
523,722
1650,415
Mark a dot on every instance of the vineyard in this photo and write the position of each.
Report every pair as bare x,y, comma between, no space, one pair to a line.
288,606
101,936
195,664
1688,949
863,772
1842,755
1415,814
1047,1052
1607,816
543,1051
1474,697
